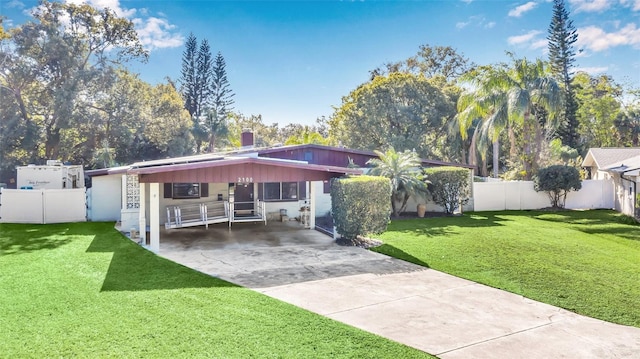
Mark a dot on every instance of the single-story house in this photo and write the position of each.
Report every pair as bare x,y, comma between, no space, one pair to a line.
248,184
622,165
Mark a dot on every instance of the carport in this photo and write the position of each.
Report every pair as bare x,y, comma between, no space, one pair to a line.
233,173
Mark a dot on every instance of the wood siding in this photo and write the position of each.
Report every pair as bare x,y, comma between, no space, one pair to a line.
246,172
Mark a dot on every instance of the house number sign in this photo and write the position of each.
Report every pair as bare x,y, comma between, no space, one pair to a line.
245,180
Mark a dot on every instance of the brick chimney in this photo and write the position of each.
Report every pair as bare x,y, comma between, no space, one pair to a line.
246,138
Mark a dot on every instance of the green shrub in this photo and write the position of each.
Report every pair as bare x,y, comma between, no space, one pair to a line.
449,186
360,205
557,181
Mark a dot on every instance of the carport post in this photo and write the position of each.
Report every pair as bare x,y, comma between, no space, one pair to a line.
142,215
312,206
154,217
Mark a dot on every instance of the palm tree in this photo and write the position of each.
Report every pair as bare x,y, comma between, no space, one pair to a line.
404,171
509,97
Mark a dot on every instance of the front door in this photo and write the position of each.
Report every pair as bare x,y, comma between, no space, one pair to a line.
243,196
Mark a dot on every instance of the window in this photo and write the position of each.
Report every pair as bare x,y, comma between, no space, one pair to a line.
326,186
272,191
289,190
282,191
186,190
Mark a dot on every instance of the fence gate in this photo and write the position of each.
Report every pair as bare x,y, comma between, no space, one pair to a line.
43,206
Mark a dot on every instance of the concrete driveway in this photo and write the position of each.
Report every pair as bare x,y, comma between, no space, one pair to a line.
423,308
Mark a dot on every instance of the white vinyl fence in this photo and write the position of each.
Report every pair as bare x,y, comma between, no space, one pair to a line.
520,195
42,205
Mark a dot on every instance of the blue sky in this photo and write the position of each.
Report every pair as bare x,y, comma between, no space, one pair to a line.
293,61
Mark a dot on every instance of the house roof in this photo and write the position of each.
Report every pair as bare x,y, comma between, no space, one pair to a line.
603,158
352,151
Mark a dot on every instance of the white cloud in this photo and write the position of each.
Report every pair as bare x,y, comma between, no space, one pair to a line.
597,39
15,4
155,33
521,39
591,5
477,21
634,4
540,44
519,10
467,1
592,70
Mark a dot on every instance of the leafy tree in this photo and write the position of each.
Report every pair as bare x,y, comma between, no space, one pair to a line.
402,111
217,128
562,37
264,135
510,98
599,107
449,186
557,181
55,59
360,205
307,135
404,171
430,61
627,125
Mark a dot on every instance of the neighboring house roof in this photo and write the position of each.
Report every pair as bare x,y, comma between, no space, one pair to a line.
603,158
628,166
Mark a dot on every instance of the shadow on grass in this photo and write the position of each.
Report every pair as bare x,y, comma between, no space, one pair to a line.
632,233
133,268
25,238
394,252
596,222
440,226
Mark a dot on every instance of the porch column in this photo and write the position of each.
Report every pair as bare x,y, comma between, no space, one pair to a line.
312,205
142,215
154,216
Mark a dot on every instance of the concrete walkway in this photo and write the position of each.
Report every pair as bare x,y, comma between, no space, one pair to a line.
423,308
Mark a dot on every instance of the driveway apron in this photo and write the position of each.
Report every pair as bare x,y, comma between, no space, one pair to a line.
422,308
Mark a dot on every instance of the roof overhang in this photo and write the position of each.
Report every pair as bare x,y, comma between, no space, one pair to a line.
238,169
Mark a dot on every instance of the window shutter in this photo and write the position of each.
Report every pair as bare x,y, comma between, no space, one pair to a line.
168,193
204,190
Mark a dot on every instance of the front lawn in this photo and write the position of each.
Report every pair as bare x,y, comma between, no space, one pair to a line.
83,290
585,261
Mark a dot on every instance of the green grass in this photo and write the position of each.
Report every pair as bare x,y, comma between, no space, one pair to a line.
585,261
83,290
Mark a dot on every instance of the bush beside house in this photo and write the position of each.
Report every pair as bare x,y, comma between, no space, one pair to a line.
360,205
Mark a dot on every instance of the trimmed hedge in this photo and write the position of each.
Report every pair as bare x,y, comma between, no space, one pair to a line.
360,205
449,186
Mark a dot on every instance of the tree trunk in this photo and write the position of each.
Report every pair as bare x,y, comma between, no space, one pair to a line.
496,158
52,143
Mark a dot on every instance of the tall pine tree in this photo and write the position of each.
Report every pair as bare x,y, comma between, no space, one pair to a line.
562,36
222,93
204,72
188,75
